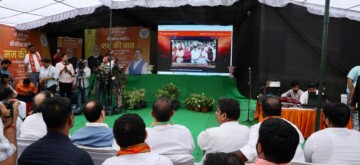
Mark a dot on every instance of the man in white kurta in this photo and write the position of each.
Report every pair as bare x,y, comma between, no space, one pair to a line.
230,136
130,134
271,108
304,97
335,144
167,138
34,126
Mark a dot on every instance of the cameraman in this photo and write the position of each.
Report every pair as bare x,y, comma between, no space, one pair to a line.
82,82
8,144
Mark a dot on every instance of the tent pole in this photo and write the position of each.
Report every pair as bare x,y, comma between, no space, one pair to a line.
323,61
110,28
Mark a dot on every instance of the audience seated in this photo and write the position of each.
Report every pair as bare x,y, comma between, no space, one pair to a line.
293,95
271,107
55,147
277,142
167,138
34,126
230,135
222,158
130,134
336,144
96,133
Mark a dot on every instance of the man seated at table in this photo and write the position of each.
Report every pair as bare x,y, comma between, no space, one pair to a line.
230,135
336,144
130,134
271,107
311,89
293,95
96,133
167,138
277,144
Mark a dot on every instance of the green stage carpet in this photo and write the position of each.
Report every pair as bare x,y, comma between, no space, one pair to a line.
214,86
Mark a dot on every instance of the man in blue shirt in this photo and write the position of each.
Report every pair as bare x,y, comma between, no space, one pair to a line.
55,147
96,133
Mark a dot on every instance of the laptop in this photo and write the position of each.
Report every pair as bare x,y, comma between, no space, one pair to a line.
313,100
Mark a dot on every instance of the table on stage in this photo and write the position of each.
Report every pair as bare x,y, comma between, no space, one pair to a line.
304,119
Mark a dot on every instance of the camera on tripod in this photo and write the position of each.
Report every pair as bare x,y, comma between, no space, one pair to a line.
9,106
81,64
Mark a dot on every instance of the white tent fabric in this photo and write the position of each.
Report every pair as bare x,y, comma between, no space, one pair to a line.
338,8
121,4
28,14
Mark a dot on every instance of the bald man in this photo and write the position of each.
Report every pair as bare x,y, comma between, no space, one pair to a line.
34,126
167,138
96,133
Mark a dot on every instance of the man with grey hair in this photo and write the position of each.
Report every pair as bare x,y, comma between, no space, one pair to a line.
34,126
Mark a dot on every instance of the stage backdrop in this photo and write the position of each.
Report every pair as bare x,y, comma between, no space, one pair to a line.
13,45
71,46
124,41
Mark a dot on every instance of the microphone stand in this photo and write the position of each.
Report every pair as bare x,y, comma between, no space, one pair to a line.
248,110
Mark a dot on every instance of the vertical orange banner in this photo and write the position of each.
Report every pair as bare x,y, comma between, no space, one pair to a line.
124,42
13,46
71,46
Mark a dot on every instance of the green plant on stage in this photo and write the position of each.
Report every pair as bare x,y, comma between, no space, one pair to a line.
134,98
172,92
199,101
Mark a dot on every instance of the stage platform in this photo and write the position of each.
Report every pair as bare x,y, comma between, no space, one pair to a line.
215,86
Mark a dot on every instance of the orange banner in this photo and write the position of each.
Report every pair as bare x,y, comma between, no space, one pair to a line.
71,46
124,41
13,46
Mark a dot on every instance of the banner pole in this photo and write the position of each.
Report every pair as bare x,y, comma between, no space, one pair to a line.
322,64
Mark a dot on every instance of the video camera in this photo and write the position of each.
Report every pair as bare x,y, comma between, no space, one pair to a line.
81,64
9,106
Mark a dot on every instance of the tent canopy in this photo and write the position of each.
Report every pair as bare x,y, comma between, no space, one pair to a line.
32,14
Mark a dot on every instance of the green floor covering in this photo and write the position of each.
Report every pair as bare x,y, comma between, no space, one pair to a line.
215,86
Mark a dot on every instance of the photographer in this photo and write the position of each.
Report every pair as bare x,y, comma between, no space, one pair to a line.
9,115
82,82
102,81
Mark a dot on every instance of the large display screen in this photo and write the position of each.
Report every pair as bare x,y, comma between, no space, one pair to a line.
194,49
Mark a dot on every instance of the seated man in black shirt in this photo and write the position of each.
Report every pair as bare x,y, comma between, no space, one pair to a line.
55,147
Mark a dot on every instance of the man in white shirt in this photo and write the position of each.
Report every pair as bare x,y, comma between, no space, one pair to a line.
33,64
336,144
311,89
230,136
34,126
130,134
271,107
49,76
138,65
167,138
293,95
66,73
277,142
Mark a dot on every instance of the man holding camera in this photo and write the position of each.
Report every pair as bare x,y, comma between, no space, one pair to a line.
9,114
82,82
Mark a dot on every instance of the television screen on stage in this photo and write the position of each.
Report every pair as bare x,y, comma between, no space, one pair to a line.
194,49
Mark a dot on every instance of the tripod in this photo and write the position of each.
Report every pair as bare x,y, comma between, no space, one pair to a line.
81,92
248,110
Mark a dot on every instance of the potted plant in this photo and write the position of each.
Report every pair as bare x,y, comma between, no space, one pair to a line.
134,99
172,92
199,102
